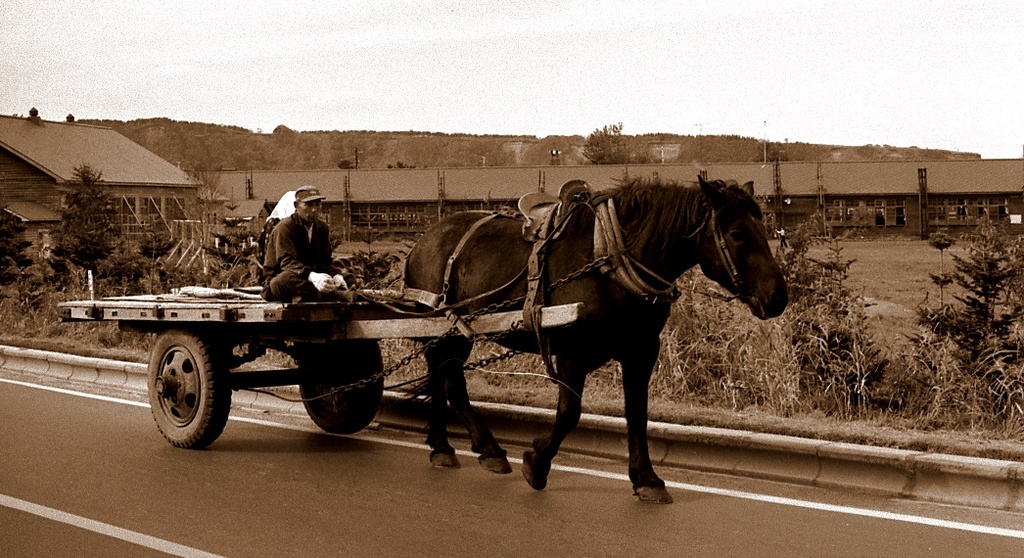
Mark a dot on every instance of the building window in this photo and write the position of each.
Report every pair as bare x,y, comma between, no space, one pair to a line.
966,211
879,211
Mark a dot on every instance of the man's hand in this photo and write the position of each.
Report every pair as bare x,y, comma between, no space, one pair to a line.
321,281
339,282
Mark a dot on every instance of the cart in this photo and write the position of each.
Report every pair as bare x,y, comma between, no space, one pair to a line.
203,337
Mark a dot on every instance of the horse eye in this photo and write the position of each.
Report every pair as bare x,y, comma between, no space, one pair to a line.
737,236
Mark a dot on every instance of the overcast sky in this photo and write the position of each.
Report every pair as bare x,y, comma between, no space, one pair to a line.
937,74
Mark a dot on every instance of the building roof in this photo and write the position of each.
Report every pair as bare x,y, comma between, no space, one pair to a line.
57,148
31,211
859,178
245,209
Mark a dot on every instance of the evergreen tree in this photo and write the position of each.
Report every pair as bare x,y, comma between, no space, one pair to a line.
989,304
13,248
88,231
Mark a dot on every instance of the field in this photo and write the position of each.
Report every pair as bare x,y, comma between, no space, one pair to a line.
893,278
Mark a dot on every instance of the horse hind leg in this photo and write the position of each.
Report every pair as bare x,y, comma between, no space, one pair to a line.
439,357
491,455
446,363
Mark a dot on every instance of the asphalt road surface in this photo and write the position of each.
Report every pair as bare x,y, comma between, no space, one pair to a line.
84,472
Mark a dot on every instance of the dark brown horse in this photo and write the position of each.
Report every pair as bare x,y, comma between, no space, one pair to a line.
666,229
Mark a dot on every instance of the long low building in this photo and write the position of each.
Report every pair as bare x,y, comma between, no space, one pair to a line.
867,198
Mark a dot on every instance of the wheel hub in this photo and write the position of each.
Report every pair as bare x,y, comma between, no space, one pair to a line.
167,386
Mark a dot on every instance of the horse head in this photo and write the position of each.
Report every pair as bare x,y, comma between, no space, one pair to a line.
734,250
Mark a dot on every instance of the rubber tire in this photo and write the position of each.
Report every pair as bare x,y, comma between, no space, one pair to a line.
196,413
345,412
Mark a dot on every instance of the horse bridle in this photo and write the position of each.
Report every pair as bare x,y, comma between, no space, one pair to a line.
727,259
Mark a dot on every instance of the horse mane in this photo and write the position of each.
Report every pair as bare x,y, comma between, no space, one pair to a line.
655,213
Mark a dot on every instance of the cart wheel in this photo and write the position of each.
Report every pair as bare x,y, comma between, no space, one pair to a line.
349,410
189,392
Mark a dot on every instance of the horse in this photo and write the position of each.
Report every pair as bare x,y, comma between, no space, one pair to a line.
473,261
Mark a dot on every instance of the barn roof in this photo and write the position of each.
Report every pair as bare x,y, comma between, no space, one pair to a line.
31,211
57,148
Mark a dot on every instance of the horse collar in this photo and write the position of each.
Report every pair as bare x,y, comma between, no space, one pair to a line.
619,264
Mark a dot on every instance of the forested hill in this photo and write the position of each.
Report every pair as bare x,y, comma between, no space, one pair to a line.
195,145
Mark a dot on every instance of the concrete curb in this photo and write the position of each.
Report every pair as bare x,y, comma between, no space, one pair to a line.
950,479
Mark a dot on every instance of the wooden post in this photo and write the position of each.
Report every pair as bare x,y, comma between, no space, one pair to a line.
922,198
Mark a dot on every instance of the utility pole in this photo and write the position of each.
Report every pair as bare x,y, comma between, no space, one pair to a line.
765,160
700,141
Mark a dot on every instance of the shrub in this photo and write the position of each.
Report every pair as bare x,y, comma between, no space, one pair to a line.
88,230
980,333
839,360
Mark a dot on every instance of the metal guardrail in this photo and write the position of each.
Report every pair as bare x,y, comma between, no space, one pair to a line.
950,479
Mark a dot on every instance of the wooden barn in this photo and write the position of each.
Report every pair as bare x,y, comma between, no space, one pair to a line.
38,159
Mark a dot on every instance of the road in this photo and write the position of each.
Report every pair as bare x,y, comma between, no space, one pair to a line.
85,473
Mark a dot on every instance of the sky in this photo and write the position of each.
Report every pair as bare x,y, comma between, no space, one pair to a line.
938,74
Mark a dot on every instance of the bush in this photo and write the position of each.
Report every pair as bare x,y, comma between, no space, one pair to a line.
969,352
839,360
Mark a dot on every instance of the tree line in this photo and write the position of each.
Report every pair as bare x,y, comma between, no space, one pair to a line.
200,146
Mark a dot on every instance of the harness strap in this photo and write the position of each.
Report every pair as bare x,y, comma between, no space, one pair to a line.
535,300
446,284
620,265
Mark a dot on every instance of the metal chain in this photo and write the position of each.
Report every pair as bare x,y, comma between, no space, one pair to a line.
494,337
596,264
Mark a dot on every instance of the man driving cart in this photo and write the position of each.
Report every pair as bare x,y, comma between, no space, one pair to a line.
298,265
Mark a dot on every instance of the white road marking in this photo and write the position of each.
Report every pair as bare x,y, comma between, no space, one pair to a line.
101,528
77,393
877,514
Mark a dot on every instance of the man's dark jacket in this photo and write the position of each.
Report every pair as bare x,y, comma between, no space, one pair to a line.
290,248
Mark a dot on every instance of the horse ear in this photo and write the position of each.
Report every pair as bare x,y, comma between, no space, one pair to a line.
749,188
713,191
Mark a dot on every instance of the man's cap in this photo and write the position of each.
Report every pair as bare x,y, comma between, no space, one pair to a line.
308,194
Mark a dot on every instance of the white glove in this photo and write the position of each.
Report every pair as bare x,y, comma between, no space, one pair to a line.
339,282
320,280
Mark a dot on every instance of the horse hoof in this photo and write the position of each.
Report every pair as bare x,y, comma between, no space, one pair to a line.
536,477
443,460
497,465
653,495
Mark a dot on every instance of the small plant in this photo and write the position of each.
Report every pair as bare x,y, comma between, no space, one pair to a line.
828,326
941,241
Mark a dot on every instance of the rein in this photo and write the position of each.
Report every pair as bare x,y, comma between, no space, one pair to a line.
611,257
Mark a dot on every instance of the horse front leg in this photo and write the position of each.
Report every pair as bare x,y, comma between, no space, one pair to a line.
537,461
636,376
